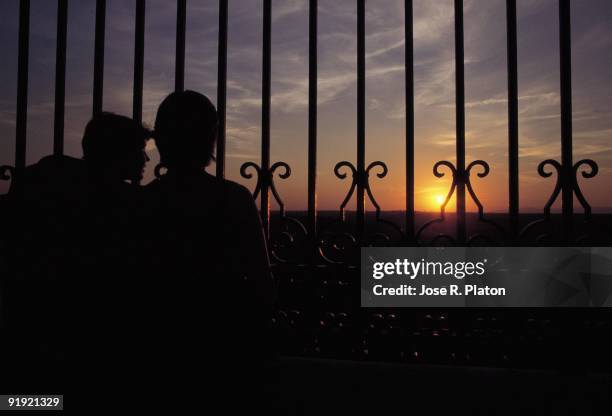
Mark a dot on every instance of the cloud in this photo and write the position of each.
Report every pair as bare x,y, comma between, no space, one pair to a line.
485,69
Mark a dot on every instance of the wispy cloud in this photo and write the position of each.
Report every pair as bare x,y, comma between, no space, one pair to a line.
485,70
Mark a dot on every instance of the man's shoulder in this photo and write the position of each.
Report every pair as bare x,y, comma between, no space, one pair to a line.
212,183
234,194
235,189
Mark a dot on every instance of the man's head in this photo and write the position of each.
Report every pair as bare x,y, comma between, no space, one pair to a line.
116,144
186,130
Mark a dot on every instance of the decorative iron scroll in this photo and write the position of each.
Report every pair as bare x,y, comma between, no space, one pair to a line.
547,207
438,174
588,175
7,173
288,236
548,233
460,178
337,241
247,175
594,232
378,233
160,170
481,217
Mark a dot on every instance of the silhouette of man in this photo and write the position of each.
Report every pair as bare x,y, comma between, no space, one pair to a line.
114,149
73,224
114,157
210,253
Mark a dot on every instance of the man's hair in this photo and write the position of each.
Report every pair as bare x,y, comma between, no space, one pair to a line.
186,129
110,137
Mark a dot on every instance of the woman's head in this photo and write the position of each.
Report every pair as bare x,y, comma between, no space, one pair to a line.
114,145
186,130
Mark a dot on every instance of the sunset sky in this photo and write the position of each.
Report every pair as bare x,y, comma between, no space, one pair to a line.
485,70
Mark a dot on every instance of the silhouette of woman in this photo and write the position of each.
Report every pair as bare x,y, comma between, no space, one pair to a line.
209,253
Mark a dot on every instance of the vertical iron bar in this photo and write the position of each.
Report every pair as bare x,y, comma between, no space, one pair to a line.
98,75
360,220
265,116
60,77
409,95
460,121
312,120
222,87
181,21
22,91
513,145
139,40
565,36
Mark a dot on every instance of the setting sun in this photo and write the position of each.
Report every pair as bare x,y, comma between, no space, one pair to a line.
439,199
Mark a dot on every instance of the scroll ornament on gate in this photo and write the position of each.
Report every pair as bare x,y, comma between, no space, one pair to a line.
337,242
593,170
7,173
288,236
463,177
